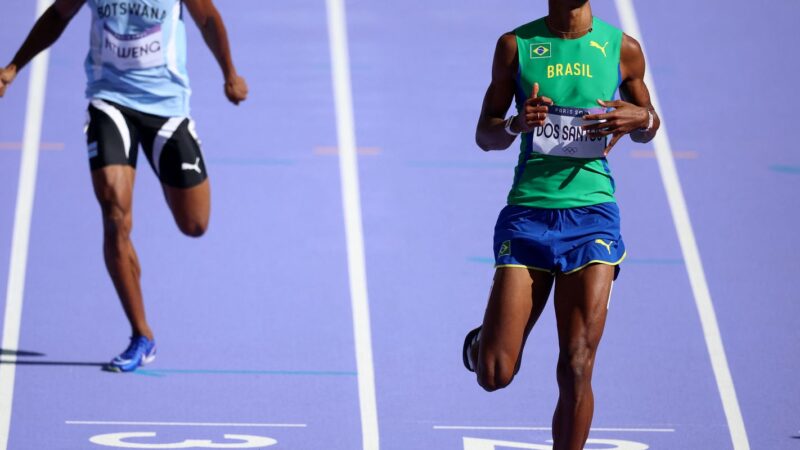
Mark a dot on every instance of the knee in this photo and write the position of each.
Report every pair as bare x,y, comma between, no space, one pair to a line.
193,227
496,375
117,223
574,369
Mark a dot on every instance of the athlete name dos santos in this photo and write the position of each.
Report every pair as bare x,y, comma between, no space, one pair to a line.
564,132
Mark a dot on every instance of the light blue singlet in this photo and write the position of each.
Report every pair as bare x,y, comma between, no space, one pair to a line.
137,56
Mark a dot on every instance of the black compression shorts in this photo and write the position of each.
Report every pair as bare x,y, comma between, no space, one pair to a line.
114,132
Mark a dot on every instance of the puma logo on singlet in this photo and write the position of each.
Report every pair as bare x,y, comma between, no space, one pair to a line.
603,243
195,166
599,47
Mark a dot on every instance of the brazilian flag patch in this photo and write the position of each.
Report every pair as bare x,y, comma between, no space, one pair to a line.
505,249
542,50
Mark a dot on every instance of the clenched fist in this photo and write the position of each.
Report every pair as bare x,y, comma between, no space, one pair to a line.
7,75
236,89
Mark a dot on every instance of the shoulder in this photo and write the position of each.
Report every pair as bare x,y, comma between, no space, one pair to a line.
507,43
631,58
532,29
630,51
630,47
505,57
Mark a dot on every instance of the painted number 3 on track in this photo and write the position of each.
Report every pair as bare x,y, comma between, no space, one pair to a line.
145,440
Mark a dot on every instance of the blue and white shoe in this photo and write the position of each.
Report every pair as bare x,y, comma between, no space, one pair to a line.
141,351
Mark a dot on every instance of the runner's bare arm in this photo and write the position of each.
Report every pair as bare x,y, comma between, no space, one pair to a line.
209,21
491,133
630,115
633,89
44,33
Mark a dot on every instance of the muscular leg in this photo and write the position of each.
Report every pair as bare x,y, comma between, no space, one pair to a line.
190,207
113,187
580,303
517,299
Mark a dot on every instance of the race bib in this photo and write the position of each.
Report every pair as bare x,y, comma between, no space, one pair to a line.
562,135
133,51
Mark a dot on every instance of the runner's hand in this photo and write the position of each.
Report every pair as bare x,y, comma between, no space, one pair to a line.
236,89
534,112
7,75
625,117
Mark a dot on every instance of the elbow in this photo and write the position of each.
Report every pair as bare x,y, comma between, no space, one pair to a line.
482,144
644,137
481,138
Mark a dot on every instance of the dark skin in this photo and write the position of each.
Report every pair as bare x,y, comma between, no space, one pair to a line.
113,185
519,295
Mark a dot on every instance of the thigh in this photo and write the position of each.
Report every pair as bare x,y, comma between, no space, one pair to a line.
173,150
113,187
190,207
517,299
112,137
581,304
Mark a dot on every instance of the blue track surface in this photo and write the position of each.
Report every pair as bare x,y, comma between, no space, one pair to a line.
254,320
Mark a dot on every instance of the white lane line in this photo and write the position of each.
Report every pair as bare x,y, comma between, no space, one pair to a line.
188,424
492,428
348,169
21,233
691,254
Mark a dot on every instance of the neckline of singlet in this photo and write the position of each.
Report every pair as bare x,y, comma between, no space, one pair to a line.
551,34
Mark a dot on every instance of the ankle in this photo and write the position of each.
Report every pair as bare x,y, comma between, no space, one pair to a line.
143,331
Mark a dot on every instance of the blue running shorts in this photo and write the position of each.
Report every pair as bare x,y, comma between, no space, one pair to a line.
558,240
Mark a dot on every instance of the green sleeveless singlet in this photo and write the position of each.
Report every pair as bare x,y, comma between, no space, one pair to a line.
559,166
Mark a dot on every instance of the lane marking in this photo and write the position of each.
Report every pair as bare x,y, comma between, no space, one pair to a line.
784,168
356,265
501,428
22,226
691,254
187,424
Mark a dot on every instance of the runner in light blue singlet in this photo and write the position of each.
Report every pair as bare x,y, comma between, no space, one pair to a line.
137,56
138,92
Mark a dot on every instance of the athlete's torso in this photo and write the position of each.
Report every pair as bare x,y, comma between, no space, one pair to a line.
559,166
137,55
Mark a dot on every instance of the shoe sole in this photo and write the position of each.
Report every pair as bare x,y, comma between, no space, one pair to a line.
468,339
148,359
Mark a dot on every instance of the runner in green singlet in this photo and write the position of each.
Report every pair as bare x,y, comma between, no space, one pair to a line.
561,225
